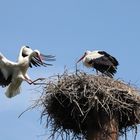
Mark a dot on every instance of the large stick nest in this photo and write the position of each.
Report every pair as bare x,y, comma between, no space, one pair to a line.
72,102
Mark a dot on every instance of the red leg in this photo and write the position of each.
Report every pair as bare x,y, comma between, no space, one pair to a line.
39,79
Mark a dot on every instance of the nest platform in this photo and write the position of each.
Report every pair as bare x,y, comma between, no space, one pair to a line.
73,103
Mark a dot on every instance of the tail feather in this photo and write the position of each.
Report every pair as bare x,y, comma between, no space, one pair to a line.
13,89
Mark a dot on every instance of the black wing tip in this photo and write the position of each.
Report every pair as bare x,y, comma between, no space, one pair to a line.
36,62
115,61
48,56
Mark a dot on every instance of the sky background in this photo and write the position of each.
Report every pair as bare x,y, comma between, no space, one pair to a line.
65,28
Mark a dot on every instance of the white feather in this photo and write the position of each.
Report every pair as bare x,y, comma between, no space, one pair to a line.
90,56
14,88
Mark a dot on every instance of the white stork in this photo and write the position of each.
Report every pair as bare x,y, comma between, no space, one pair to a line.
101,61
13,73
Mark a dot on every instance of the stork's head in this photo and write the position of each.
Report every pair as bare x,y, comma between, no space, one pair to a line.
85,54
26,51
25,47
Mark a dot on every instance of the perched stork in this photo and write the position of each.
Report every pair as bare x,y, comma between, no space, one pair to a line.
13,73
101,61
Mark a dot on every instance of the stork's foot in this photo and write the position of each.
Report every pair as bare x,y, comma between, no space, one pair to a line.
34,82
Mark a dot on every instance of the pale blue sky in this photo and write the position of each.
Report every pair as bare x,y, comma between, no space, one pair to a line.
65,29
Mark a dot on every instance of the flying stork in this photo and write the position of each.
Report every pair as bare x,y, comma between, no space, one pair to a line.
13,73
101,61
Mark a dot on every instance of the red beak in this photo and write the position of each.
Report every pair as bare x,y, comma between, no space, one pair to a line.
81,58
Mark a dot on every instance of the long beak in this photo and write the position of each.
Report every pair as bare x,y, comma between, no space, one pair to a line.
80,58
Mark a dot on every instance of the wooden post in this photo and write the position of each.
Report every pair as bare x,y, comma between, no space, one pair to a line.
108,130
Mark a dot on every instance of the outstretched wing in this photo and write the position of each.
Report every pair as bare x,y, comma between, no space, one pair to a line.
6,70
35,60
5,82
45,58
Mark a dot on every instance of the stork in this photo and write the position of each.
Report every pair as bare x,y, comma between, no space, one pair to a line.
12,74
101,61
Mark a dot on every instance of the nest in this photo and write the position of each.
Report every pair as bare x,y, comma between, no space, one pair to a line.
73,102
